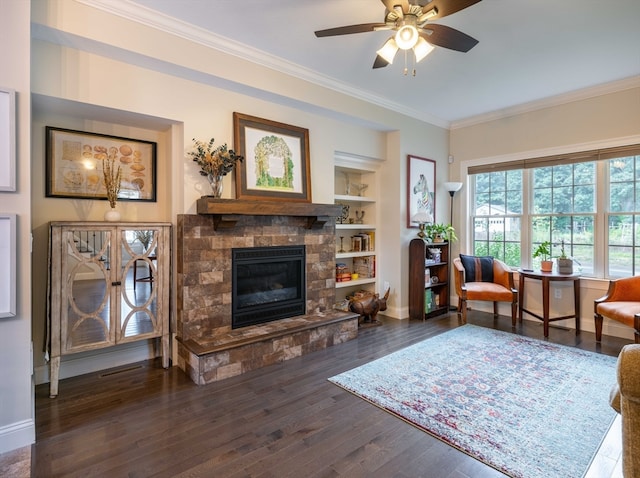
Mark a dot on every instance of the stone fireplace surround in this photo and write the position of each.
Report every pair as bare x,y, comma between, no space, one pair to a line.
208,348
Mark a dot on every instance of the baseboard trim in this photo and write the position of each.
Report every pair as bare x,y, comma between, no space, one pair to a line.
17,435
80,364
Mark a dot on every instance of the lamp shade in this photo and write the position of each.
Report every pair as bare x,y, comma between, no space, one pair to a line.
388,50
422,217
453,187
422,49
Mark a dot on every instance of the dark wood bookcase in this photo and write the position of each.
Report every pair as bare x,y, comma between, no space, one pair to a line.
428,299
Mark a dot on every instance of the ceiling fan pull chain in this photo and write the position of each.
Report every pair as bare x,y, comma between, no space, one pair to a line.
406,70
414,65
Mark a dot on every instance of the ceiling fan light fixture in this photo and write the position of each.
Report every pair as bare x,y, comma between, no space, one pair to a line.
388,50
422,49
428,15
407,37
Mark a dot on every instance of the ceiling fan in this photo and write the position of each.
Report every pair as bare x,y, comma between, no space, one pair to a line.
413,30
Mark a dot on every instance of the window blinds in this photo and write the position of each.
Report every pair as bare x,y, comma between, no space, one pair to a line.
558,159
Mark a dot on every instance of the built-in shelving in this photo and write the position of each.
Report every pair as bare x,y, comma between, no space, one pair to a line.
351,176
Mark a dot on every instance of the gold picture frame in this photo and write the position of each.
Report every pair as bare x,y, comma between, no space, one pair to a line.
276,160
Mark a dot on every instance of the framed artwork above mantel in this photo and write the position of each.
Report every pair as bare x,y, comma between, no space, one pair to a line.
276,160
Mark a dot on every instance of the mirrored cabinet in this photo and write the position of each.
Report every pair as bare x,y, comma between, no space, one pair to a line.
108,285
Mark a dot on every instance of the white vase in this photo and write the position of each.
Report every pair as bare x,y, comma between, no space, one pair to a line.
112,215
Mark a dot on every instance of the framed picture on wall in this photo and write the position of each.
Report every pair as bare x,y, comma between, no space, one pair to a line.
7,140
75,160
276,165
421,183
7,265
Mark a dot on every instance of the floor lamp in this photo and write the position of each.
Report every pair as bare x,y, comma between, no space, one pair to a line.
453,188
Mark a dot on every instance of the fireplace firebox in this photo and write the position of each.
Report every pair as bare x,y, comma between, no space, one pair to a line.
268,283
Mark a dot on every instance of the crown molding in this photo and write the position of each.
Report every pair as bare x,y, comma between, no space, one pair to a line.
577,95
187,31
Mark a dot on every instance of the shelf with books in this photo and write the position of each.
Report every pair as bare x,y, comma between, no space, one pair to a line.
354,226
428,279
356,282
356,189
346,255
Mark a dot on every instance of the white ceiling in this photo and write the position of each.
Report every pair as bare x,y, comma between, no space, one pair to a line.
529,50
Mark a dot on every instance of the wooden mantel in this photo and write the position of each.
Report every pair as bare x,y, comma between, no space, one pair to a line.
226,211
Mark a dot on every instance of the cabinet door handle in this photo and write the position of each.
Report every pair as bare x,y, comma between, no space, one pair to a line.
116,283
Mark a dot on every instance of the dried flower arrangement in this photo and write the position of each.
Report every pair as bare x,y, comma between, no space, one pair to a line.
112,180
215,161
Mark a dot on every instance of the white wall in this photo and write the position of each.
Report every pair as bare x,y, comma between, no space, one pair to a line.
16,388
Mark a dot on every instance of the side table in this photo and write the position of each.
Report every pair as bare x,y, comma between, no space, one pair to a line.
547,278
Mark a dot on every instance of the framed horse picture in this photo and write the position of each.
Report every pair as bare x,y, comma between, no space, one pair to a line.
421,184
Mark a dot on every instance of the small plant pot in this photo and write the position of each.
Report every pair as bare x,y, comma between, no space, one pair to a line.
546,266
565,266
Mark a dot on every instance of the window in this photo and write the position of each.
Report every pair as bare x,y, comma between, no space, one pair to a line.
563,210
564,200
624,219
497,218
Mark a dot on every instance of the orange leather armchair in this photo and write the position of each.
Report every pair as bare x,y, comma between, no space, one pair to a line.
500,290
621,303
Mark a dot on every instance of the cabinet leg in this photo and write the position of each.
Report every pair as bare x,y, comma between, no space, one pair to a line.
165,350
54,375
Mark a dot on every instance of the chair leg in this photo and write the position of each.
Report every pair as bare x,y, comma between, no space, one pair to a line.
636,326
459,305
514,309
463,308
495,309
598,318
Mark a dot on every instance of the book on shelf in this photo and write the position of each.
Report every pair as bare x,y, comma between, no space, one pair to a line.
365,266
363,242
372,240
431,300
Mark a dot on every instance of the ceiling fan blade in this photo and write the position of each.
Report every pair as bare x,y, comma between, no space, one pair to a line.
361,28
447,37
380,62
389,4
445,7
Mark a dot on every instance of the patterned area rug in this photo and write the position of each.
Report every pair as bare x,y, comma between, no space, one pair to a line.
528,408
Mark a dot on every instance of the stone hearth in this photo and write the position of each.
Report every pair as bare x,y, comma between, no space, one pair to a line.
208,348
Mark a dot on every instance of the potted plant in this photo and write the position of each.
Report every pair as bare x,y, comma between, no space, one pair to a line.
214,163
543,251
440,232
565,263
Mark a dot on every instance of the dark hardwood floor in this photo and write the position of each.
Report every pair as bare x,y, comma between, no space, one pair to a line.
283,420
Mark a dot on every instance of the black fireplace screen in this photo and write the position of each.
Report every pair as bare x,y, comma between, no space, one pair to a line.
268,283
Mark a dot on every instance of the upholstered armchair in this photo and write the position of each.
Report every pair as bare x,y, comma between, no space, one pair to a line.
484,278
625,399
621,303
